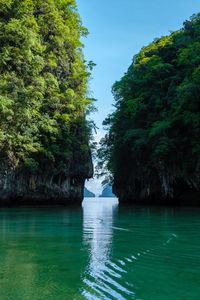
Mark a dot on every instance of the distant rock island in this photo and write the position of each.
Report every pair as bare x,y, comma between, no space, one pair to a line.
88,193
107,192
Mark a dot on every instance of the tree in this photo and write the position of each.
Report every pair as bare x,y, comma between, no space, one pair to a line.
43,83
152,146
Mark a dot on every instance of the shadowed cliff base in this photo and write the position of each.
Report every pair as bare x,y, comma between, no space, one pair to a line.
183,196
158,186
20,187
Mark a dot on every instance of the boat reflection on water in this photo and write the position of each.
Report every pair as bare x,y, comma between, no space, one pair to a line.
98,225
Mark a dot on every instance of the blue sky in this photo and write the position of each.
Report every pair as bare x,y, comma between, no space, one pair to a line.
118,30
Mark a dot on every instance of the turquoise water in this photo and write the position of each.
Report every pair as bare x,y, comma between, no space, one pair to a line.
100,251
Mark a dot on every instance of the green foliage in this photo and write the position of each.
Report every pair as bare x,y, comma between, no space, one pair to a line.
43,81
156,124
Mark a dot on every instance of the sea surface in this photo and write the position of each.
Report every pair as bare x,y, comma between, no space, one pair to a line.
100,251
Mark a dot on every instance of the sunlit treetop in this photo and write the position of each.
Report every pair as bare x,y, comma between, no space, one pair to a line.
43,80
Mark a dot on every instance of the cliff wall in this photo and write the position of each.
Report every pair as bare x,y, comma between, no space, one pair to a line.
44,135
18,186
152,148
157,186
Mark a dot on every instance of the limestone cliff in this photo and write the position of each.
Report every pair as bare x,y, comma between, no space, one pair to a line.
20,187
152,146
159,185
44,135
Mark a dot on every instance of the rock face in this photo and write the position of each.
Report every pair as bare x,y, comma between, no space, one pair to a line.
88,193
107,192
19,187
44,135
160,186
152,145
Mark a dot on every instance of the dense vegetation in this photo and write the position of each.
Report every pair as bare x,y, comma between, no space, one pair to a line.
43,84
152,148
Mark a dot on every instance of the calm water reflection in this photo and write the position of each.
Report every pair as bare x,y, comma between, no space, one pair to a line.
98,226
100,252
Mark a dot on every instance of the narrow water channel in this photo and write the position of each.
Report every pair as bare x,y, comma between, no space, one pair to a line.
100,251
